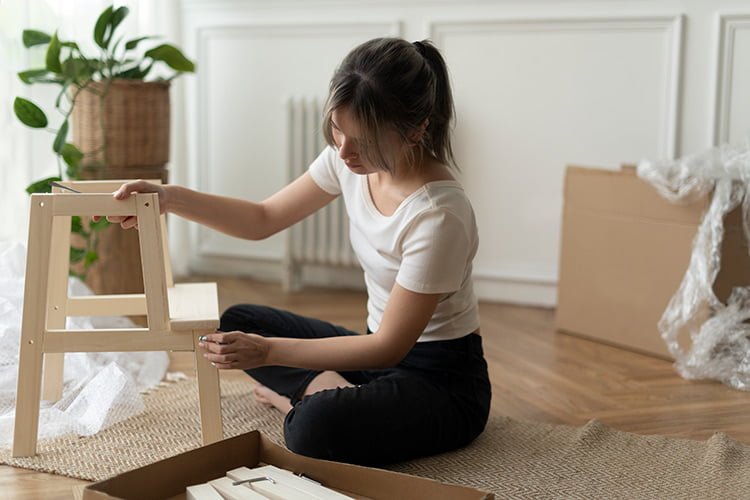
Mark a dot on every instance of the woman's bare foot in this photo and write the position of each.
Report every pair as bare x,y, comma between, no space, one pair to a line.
270,398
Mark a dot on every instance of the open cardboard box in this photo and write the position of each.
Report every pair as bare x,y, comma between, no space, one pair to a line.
168,478
624,252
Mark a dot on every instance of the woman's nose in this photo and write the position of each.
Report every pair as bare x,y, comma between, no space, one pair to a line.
347,150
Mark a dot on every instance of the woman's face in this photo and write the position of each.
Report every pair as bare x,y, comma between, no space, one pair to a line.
348,138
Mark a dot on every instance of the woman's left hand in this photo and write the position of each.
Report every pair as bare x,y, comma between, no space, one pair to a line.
232,350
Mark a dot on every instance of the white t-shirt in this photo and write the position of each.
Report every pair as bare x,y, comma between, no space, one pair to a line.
427,246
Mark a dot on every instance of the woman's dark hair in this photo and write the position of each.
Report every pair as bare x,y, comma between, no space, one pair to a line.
391,84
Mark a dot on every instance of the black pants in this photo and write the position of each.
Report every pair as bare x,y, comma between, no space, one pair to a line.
436,399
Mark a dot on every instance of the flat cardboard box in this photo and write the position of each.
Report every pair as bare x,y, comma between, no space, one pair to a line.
624,252
170,477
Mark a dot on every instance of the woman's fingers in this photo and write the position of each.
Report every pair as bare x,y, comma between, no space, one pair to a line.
138,186
234,349
221,358
125,190
124,220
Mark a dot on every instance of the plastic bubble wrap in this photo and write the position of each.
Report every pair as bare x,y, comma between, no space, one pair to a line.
720,346
100,389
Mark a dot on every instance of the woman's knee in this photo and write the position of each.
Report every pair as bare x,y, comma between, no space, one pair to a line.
242,317
315,428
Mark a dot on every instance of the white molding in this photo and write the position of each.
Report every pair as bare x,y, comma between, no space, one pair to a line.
526,293
670,24
205,34
726,28
511,276
201,5
509,286
271,270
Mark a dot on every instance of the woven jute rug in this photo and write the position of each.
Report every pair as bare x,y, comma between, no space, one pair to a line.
513,459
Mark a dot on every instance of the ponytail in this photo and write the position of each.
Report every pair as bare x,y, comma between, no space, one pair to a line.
438,134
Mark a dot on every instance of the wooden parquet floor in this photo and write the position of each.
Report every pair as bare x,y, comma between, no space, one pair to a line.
536,374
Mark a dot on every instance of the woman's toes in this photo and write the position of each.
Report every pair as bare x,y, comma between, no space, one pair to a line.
262,395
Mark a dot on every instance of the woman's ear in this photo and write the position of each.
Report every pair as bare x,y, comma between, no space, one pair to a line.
416,136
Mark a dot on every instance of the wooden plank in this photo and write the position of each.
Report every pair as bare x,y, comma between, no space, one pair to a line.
165,244
209,394
57,296
194,306
203,492
311,488
115,340
152,260
229,491
96,186
194,303
92,204
32,326
125,304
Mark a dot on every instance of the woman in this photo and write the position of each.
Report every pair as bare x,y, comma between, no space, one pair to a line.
417,383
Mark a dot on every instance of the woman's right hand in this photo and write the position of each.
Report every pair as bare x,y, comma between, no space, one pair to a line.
139,186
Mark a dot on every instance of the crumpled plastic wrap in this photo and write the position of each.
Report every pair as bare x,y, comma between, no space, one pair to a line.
100,389
720,346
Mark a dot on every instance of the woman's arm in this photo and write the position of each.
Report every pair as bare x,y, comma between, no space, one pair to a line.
405,317
233,216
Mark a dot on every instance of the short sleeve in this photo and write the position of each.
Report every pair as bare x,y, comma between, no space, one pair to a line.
437,251
324,173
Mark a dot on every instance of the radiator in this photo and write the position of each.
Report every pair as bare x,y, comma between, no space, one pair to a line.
323,237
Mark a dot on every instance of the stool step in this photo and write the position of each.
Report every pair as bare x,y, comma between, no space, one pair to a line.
193,306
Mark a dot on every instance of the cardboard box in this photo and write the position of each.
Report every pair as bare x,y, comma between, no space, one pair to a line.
168,478
624,252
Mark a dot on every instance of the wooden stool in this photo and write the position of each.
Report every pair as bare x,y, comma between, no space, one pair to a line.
177,314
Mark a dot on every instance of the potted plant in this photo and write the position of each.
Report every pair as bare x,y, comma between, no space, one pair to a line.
117,111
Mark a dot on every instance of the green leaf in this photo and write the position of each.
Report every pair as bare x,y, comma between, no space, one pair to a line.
77,69
42,186
62,134
39,76
72,157
77,254
70,45
32,75
100,29
33,37
135,73
71,154
99,225
76,224
117,44
90,258
29,113
131,44
117,17
62,92
52,59
172,56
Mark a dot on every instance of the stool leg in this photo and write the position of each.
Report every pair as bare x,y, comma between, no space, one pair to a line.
52,376
209,394
57,298
26,422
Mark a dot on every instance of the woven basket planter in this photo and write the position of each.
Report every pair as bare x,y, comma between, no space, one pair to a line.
133,116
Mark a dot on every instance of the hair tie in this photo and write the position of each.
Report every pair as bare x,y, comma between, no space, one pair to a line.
420,48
